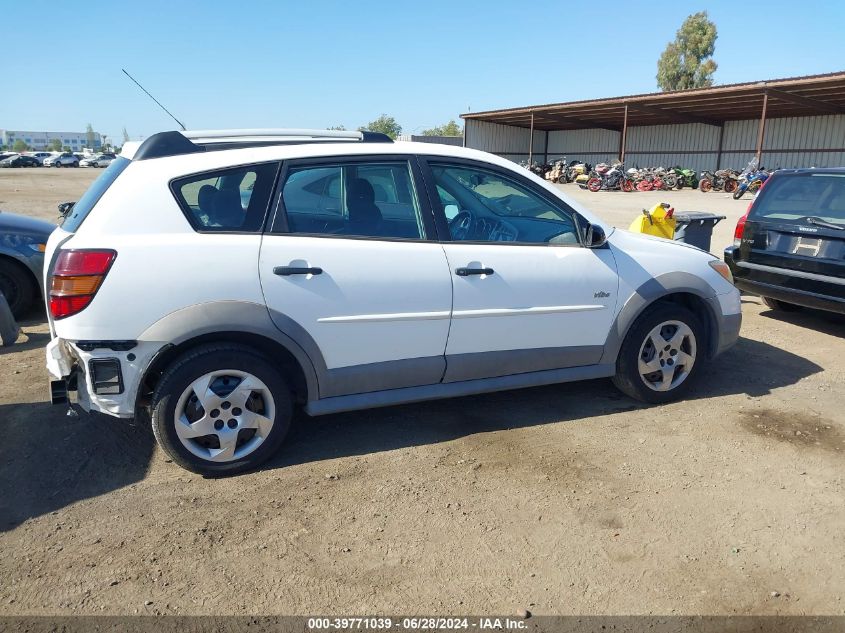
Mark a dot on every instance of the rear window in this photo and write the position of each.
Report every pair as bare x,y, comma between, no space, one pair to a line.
83,207
801,196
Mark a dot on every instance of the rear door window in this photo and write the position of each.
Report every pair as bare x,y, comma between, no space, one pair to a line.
367,199
802,196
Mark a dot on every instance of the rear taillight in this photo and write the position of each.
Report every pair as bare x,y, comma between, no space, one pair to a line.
740,229
77,276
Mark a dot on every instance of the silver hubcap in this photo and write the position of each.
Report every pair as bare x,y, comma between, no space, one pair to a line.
667,355
224,415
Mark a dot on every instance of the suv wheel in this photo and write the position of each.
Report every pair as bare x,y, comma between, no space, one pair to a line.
660,355
221,410
780,306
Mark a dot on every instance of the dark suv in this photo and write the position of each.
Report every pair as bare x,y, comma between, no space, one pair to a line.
789,247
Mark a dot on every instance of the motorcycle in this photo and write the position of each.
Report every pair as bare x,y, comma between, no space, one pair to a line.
751,179
667,177
609,177
577,171
721,179
558,172
685,178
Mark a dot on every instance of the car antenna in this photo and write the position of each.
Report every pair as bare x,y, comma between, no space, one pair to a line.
182,125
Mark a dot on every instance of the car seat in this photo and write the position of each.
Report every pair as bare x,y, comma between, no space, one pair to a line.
364,216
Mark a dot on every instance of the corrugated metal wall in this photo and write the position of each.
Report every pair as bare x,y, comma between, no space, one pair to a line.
442,140
504,140
790,142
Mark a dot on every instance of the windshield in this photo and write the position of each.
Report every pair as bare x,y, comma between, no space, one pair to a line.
803,196
82,208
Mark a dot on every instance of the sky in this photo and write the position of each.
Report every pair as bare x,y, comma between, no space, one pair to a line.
318,63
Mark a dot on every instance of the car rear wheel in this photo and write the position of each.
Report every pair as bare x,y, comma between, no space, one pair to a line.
17,286
661,354
221,409
780,306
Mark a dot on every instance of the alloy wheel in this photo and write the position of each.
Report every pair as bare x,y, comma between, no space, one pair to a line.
667,355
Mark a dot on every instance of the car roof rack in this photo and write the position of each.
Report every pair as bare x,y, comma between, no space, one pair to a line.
195,141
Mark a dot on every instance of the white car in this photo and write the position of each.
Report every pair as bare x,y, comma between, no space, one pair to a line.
214,280
65,159
40,156
100,160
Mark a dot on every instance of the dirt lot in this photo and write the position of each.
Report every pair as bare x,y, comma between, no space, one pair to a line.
563,499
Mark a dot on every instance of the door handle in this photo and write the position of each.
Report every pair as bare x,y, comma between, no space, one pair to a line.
465,272
286,271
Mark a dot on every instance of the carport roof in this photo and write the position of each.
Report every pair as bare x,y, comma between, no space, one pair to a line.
795,96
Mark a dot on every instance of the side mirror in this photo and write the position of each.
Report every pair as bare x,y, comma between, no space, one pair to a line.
594,236
65,208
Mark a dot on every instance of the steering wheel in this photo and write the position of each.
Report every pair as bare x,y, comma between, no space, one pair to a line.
461,225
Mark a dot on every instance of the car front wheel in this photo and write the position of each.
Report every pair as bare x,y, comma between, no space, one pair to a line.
221,410
661,354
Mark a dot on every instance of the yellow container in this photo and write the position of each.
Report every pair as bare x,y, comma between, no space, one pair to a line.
659,222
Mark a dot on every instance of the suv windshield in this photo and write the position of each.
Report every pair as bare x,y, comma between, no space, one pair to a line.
801,196
82,208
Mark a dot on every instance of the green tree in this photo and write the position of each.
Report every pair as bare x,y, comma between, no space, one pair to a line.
20,146
55,145
125,135
384,124
66,148
90,136
449,129
340,127
687,62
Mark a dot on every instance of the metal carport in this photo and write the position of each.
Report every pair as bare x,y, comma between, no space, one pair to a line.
791,122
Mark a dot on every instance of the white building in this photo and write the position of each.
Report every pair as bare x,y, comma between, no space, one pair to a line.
39,140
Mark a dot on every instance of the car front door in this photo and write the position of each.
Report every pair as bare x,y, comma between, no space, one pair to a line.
351,272
528,296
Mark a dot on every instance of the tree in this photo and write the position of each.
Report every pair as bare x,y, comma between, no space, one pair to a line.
340,127
20,146
55,145
384,124
687,62
125,135
90,136
449,129
66,148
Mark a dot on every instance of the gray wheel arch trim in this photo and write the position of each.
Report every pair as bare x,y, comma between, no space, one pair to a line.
652,290
245,317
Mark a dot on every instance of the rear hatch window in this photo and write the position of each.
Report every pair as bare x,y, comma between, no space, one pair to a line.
83,207
810,199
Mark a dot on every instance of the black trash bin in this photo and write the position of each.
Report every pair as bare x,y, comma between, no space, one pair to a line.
696,228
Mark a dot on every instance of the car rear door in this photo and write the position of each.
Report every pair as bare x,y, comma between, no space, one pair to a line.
351,272
794,236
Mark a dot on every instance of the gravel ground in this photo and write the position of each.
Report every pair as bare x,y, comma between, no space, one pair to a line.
561,500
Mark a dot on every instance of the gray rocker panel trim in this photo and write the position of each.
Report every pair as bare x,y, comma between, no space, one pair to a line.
392,374
460,367
648,293
454,389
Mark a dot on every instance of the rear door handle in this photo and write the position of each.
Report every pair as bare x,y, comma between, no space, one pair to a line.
287,271
465,272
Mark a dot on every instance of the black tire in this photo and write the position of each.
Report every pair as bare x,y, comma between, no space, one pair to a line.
780,306
197,362
17,285
738,193
628,379
76,164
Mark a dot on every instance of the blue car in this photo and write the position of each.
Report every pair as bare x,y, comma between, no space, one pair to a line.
22,243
